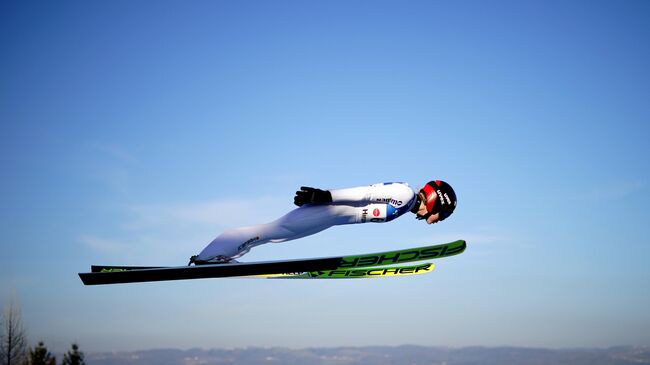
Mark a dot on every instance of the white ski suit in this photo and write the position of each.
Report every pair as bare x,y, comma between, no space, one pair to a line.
374,203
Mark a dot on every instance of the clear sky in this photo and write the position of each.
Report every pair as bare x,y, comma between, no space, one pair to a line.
135,132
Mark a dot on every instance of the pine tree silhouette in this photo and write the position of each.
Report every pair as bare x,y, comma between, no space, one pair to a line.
74,356
40,356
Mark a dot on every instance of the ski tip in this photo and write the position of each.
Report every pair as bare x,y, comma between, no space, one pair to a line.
456,247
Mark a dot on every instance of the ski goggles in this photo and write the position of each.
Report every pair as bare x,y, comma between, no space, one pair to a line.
433,208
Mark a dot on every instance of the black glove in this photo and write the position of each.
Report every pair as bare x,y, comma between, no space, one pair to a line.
307,195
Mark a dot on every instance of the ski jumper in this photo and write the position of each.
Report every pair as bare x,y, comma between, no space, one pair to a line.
375,203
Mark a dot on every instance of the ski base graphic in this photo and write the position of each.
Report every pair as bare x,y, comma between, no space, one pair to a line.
360,273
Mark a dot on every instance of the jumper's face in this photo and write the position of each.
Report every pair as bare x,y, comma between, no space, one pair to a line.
422,211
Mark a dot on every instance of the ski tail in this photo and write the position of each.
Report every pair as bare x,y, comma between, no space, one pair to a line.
111,268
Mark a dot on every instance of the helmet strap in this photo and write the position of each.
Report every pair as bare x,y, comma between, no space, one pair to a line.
416,206
423,217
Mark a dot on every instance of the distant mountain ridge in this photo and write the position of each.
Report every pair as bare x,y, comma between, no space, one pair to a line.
378,355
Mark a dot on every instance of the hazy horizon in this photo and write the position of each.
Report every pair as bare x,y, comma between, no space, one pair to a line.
394,355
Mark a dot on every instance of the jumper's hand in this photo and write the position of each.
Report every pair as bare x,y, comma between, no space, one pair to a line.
307,195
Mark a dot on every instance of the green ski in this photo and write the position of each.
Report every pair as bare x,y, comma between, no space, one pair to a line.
356,273
130,274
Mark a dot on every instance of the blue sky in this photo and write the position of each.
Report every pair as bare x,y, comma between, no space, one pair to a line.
133,133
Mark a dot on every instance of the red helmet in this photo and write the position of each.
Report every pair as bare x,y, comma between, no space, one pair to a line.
439,197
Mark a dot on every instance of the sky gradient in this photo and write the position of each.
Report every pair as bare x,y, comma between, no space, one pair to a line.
133,133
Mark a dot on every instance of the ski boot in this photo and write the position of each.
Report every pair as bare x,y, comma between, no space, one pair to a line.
215,260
